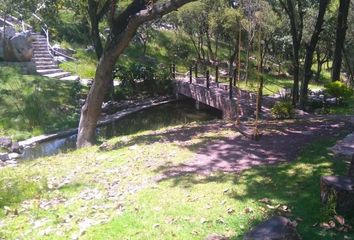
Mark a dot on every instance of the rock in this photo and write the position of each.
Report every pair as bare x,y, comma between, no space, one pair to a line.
16,148
216,237
59,59
338,190
277,228
4,157
68,52
11,162
9,32
5,142
18,48
14,156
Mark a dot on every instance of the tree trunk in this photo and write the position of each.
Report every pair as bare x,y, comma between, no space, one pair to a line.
123,28
342,26
310,49
91,111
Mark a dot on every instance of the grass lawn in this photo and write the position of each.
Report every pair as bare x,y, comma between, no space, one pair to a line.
32,105
113,193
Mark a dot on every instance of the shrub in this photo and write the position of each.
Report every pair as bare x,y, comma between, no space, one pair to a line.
283,110
338,90
136,77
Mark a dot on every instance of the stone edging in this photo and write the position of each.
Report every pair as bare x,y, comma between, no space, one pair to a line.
107,120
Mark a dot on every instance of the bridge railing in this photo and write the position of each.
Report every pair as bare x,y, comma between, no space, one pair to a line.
193,70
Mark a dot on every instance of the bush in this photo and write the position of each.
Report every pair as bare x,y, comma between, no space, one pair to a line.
338,90
283,110
136,78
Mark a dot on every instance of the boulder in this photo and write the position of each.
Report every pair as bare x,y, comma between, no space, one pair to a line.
4,157
5,142
338,190
16,148
13,156
9,32
18,48
276,228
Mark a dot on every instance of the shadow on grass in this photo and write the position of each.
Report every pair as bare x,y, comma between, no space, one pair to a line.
296,152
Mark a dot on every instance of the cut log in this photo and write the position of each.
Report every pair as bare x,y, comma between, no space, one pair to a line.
338,190
277,227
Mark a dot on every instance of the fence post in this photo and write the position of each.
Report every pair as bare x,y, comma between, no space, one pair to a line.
196,70
207,79
190,74
174,71
217,75
230,85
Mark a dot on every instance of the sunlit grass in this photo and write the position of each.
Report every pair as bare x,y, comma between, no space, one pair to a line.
190,206
31,105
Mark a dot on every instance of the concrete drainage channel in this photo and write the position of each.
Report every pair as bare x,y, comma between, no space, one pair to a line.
50,144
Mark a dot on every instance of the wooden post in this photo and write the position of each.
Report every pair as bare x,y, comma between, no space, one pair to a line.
174,71
217,75
190,74
207,79
196,70
234,76
230,86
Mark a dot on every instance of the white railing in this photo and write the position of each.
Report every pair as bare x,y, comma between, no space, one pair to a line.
51,50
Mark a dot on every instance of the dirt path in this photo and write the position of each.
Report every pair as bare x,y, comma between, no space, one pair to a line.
281,142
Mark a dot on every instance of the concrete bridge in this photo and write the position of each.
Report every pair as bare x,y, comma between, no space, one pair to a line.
207,92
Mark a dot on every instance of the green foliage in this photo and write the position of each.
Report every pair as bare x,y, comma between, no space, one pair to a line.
283,110
339,90
136,77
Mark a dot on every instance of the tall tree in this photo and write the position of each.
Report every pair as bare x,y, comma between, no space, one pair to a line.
310,49
123,27
295,11
342,26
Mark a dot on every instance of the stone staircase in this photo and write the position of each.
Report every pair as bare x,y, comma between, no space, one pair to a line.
44,62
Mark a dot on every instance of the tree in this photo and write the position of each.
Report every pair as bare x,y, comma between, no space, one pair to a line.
342,26
96,11
310,49
295,11
123,27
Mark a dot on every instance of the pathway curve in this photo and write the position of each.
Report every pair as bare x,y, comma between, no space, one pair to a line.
281,142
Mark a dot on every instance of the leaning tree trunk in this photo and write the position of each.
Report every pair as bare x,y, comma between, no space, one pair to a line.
342,26
91,111
123,29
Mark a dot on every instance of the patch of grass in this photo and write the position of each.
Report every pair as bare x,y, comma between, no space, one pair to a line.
32,105
85,66
114,194
346,108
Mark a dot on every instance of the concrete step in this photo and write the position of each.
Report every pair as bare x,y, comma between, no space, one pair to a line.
49,71
71,78
58,75
41,59
44,63
42,67
41,50
42,55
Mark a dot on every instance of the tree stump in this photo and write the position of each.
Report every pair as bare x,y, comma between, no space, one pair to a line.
338,190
